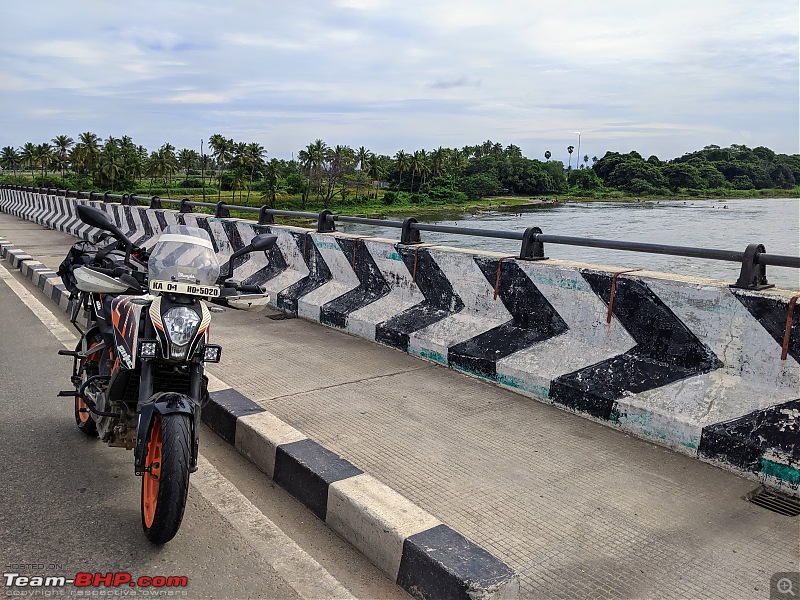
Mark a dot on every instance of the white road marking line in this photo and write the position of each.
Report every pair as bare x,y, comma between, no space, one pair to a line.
61,333
308,578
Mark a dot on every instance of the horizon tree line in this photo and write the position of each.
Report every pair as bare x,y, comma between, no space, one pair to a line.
331,172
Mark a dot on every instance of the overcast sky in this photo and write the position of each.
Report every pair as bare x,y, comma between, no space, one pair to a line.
661,78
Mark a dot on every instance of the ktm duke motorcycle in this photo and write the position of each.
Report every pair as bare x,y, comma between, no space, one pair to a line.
144,338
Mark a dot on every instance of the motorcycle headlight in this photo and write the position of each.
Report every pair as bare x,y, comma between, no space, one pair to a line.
181,325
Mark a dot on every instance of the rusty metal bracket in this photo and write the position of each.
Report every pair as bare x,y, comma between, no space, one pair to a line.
788,331
614,292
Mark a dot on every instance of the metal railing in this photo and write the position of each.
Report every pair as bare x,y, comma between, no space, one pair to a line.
754,259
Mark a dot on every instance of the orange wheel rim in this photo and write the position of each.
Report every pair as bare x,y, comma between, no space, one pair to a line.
83,410
152,474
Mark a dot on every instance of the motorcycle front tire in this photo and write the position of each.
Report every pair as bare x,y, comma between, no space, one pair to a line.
165,482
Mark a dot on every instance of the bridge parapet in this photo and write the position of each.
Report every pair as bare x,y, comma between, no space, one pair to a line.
692,364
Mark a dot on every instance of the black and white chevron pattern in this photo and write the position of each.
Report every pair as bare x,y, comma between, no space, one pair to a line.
678,360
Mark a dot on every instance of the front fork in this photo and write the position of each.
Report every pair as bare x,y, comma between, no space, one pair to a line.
151,401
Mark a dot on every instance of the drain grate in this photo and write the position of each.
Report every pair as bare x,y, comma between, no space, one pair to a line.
779,503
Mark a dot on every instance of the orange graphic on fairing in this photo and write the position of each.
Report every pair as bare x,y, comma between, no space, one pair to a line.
125,319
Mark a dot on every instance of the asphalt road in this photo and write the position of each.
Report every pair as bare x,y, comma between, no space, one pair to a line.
71,504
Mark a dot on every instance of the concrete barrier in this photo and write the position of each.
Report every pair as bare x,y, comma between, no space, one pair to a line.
688,363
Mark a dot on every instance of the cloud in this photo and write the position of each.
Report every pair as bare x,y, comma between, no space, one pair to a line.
659,78
447,84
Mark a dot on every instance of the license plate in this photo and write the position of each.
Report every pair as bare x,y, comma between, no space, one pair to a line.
181,287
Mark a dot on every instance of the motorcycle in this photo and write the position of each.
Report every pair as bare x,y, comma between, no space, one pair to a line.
138,368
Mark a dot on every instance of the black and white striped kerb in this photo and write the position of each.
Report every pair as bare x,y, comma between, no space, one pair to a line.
424,556
434,563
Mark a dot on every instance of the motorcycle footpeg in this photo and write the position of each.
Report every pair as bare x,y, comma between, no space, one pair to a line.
67,394
67,353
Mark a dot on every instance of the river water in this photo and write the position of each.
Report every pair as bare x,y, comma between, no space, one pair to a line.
721,224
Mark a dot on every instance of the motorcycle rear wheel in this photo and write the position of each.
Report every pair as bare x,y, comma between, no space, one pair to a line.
165,483
89,366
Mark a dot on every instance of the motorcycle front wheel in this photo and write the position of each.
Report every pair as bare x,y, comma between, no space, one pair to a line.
165,483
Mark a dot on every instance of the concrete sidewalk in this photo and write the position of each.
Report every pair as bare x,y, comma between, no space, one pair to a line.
579,509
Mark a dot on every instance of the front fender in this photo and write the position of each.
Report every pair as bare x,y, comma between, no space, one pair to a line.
164,403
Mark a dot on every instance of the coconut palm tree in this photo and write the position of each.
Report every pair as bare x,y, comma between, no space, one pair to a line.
44,156
401,164
62,145
9,159
27,156
570,149
273,171
254,157
111,164
90,151
186,160
221,151
362,155
374,170
547,155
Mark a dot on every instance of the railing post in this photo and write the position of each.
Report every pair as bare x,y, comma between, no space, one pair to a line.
221,210
155,202
532,249
753,275
126,198
185,208
105,197
265,216
409,235
323,224
133,200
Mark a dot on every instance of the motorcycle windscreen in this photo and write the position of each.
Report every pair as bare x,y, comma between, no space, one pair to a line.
186,254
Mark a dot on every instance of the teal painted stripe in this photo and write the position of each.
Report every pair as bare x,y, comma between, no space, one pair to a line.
780,471
429,354
643,423
520,384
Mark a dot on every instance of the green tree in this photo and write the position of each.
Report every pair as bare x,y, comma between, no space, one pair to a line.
273,171
27,156
62,145
362,156
111,164
401,164
254,159
221,150
570,149
375,170
187,160
10,159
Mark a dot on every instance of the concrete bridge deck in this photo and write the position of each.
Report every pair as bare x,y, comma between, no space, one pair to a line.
578,509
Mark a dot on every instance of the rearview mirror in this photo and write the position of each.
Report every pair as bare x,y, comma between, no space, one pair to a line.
260,243
95,217
263,242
